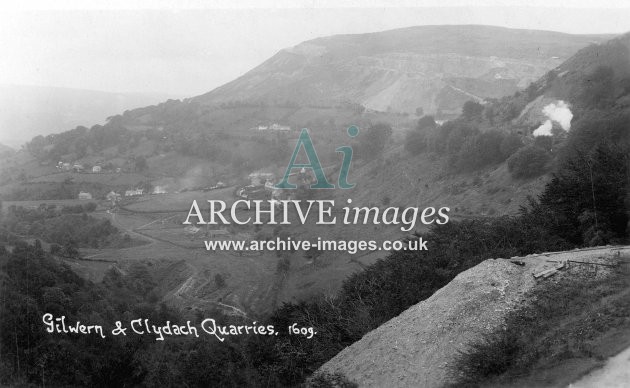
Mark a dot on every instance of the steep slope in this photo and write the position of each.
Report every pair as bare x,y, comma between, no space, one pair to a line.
437,68
596,77
415,348
614,53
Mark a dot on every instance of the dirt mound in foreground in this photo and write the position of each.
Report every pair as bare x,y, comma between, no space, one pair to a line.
415,348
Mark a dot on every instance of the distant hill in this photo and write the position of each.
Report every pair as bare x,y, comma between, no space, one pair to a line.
28,111
436,68
462,164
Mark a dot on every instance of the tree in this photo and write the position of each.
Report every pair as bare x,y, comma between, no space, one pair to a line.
528,162
141,163
415,142
426,123
589,192
510,144
219,281
458,136
598,89
70,249
478,151
372,143
55,249
472,110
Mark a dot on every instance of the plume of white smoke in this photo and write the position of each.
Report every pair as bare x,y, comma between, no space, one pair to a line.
544,129
560,113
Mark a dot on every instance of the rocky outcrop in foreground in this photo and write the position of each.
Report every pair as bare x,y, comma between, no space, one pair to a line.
415,348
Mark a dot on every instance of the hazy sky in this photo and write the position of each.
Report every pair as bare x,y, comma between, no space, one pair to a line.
186,48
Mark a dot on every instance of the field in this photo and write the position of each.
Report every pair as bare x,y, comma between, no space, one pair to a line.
254,283
187,272
257,283
110,179
50,202
179,202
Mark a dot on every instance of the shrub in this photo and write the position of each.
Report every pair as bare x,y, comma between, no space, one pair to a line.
529,162
415,142
472,110
490,356
479,151
562,321
426,123
510,144
372,143
219,281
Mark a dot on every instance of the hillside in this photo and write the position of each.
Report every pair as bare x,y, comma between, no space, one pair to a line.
28,111
544,169
420,346
186,145
594,79
495,325
436,68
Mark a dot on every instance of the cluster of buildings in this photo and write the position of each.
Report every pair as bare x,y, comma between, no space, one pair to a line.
65,166
115,197
134,192
112,196
85,196
78,167
261,187
272,127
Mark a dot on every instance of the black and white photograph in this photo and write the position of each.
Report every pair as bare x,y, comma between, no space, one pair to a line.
315,193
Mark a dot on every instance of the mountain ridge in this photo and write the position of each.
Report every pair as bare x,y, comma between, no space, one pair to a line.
405,69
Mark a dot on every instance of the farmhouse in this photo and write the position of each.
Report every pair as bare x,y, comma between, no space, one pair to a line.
96,169
272,127
259,178
160,190
113,197
84,196
134,192
278,127
65,166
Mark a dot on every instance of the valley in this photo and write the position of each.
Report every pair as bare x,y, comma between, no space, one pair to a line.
522,135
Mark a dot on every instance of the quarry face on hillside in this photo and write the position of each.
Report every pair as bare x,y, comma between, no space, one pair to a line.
416,348
437,68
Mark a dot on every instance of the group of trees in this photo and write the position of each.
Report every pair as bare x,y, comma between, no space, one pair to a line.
465,147
372,143
32,283
81,141
67,227
480,136
533,159
586,203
